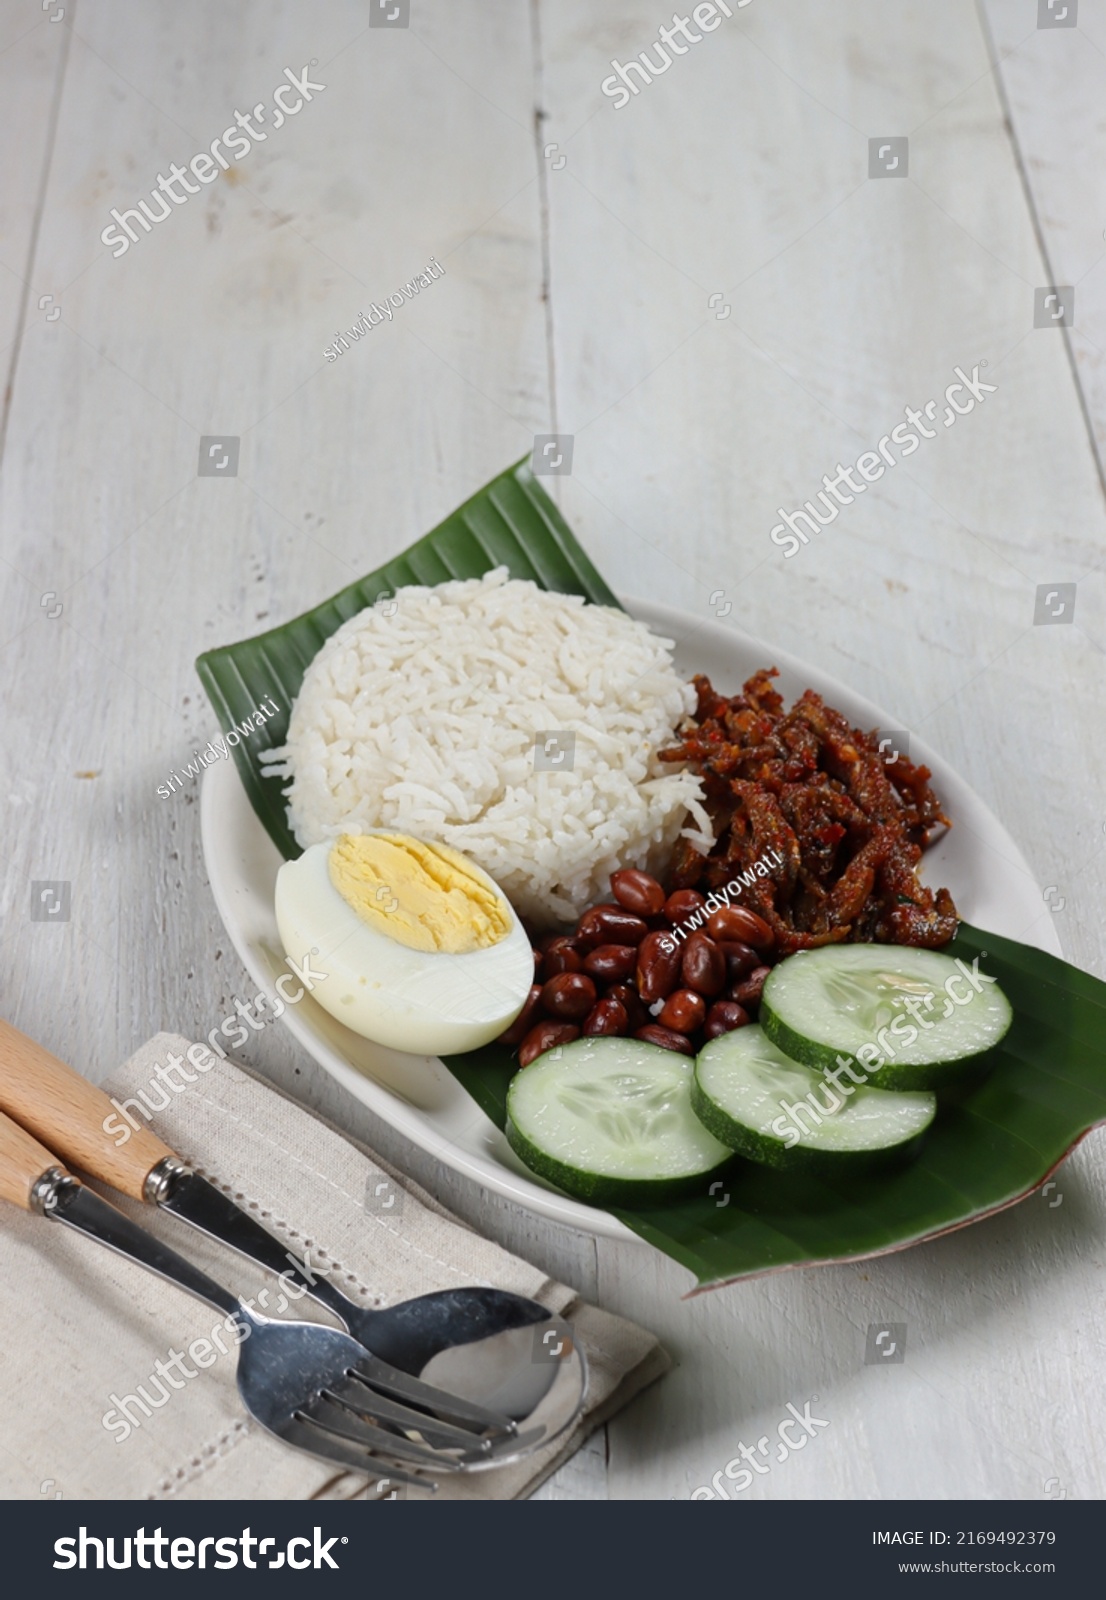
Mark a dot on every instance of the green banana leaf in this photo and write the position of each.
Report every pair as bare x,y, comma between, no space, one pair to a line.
1045,1090
993,1145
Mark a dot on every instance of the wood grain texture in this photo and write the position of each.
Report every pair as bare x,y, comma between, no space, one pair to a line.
32,62
76,1119
1055,83
578,297
22,1162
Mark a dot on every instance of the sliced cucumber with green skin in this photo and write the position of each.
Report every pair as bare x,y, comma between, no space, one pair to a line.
610,1120
904,1018
772,1110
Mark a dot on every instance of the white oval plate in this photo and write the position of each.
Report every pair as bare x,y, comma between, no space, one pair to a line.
977,860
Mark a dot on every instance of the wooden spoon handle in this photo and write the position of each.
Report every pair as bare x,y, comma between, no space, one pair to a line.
75,1118
22,1162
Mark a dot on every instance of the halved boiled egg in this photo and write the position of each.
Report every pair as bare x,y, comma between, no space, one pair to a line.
421,949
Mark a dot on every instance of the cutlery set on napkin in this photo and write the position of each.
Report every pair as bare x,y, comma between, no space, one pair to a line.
437,1363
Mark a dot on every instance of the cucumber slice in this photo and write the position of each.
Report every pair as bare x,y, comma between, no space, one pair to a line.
610,1120
772,1110
904,1018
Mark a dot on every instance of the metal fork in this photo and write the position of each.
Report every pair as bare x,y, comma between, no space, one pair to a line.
313,1387
490,1355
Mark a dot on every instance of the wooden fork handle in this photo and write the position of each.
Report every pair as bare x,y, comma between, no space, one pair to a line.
75,1118
22,1162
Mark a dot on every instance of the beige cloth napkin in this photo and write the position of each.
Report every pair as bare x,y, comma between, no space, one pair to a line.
83,1328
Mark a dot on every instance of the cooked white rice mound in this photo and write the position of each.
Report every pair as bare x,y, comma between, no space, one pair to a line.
426,718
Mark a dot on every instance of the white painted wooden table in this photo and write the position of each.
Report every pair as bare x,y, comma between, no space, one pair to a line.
707,290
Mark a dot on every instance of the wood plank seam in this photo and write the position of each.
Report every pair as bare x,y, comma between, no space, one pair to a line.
32,243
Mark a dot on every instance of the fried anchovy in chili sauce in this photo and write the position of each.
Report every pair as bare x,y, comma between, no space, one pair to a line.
849,822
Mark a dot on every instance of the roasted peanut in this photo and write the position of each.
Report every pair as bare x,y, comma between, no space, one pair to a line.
611,963
569,996
682,903
526,1018
684,1011
608,1017
703,966
667,1038
658,966
631,1001
543,1037
738,922
740,959
723,1017
637,891
561,956
748,991
609,924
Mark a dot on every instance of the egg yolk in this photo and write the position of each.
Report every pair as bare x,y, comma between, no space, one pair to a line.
424,896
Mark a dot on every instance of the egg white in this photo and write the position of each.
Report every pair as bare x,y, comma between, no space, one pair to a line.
427,1003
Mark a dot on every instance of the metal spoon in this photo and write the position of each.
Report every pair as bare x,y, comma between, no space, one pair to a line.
490,1349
